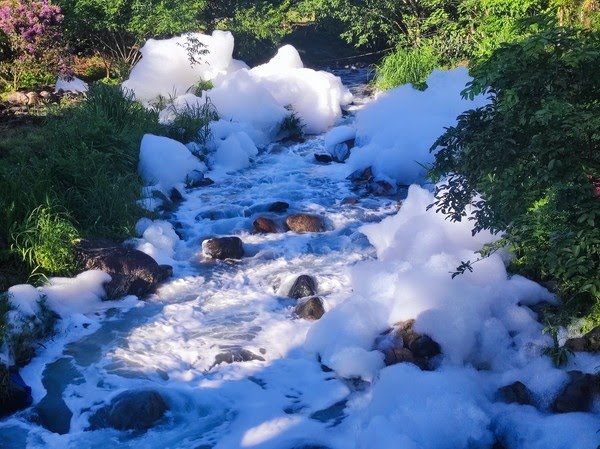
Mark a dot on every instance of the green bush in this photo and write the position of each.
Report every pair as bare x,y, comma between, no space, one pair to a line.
406,65
46,241
533,154
191,124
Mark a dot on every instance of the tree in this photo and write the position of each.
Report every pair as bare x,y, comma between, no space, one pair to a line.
533,154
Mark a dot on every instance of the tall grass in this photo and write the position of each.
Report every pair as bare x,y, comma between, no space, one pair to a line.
74,175
406,65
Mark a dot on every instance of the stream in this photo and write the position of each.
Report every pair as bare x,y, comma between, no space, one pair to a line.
171,342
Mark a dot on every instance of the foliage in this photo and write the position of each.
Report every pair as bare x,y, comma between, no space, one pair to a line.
35,43
533,155
292,126
191,123
46,241
79,169
118,28
406,65
559,354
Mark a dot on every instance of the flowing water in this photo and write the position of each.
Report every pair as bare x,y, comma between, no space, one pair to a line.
169,341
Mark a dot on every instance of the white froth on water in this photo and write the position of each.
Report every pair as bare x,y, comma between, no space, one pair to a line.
310,383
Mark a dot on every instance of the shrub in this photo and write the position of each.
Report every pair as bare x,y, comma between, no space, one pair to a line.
533,154
191,123
46,241
35,42
292,126
406,65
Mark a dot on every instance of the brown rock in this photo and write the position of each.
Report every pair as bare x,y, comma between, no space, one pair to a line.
517,393
398,354
33,99
579,393
578,344
305,223
310,309
303,286
17,98
133,272
350,200
263,225
223,248
279,206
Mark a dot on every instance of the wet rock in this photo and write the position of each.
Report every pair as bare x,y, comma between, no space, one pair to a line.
397,354
279,206
590,342
17,99
33,99
361,175
579,393
263,225
133,272
402,343
380,188
175,195
341,151
350,200
15,395
303,286
310,309
133,410
305,223
323,158
223,248
236,355
515,393
166,271
423,346
197,179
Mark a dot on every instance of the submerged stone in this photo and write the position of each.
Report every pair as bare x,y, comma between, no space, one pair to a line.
310,309
303,286
132,410
302,223
223,248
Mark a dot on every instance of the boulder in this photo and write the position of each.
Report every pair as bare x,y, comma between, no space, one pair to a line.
15,395
324,158
303,286
263,225
197,179
310,309
133,272
279,206
236,355
590,342
33,98
402,343
17,99
223,248
132,410
515,393
350,200
361,175
175,195
579,393
302,223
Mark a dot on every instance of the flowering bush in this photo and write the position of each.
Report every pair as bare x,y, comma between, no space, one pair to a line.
36,45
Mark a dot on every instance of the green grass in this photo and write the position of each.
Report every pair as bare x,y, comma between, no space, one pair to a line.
405,66
74,175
